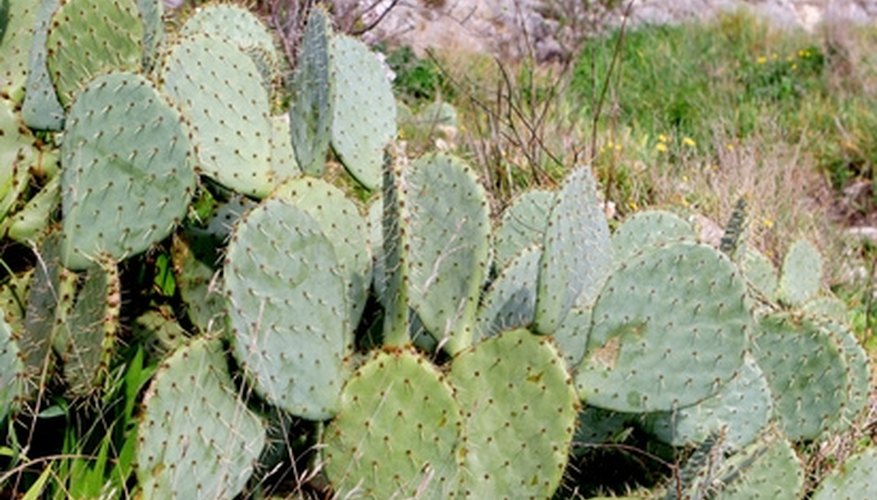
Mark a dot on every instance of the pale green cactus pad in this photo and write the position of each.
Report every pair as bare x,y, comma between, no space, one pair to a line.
15,41
760,273
11,370
852,480
522,224
397,433
41,109
668,329
17,153
801,274
649,229
510,302
197,438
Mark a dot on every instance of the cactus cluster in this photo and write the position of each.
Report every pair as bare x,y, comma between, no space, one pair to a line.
442,356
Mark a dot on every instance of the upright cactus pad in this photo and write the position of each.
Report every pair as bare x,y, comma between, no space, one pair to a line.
447,224
397,433
88,38
510,302
41,109
341,222
801,274
288,309
520,409
647,230
364,111
283,161
806,371
852,480
128,170
310,116
577,252
571,337
668,329
760,273
151,12
17,152
522,224
858,371
228,109
197,438
11,370
16,34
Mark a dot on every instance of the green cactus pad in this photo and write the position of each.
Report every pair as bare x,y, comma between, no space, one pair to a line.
668,329
858,371
571,336
649,229
578,253
41,109
397,433
852,480
197,438
11,370
520,411
392,275
829,307
447,230
17,152
510,302
90,331
364,111
88,38
807,373
288,310
128,170
341,222
375,221
16,35
802,273
32,222
740,410
760,273
228,109
196,262
522,224
151,12
768,468
158,332
283,161
597,426
310,116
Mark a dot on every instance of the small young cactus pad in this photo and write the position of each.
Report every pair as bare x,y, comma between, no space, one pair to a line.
397,432
520,409
287,308
649,229
197,438
802,273
128,170
668,329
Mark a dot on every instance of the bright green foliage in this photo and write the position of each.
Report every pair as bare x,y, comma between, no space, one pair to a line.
520,411
760,273
806,371
740,410
647,230
227,108
668,328
854,479
447,225
88,336
88,38
364,110
397,432
802,273
11,370
510,302
17,153
522,224
577,252
41,109
151,12
310,116
197,438
128,170
345,228
18,17
288,309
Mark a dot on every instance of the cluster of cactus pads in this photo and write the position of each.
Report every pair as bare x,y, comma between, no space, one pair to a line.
491,348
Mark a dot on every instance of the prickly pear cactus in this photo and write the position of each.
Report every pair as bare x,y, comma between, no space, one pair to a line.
801,274
760,273
128,170
364,111
397,432
197,439
522,224
649,229
310,116
41,109
227,108
17,153
88,38
851,480
520,411
577,252
16,35
510,302
32,222
11,370
287,307
151,12
668,329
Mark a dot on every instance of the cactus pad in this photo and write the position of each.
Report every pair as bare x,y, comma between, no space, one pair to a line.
760,273
520,411
668,329
195,259
16,35
283,161
571,336
522,224
41,109
397,432
801,274
852,480
577,255
510,302
16,155
88,38
287,308
649,229
364,111
197,438
11,369
128,173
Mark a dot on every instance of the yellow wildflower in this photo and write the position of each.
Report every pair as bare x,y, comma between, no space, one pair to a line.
688,141
729,147
761,60
661,147
632,204
767,223
662,138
